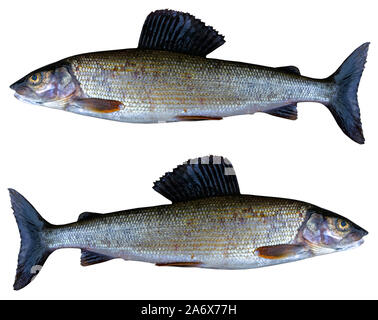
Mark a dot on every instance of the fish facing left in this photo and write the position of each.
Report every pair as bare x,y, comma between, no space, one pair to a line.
209,224
168,78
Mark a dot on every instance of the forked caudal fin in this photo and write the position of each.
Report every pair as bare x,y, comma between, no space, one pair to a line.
344,106
33,252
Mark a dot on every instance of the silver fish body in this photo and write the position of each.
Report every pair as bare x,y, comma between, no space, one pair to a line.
209,225
162,86
218,232
168,78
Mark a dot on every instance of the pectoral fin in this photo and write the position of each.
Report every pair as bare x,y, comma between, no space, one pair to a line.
98,105
280,251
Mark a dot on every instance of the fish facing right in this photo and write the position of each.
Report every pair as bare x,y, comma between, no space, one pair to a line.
168,78
209,225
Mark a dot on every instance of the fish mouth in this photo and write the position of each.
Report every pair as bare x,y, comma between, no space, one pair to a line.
354,244
23,99
23,93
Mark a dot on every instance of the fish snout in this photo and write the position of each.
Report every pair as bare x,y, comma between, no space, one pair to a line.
362,233
16,85
358,234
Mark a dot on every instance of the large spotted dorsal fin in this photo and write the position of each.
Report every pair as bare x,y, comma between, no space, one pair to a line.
178,32
199,178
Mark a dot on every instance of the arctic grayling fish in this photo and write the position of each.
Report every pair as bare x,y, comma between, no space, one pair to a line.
168,78
208,225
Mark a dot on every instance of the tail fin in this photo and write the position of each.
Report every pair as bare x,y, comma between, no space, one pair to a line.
33,252
344,106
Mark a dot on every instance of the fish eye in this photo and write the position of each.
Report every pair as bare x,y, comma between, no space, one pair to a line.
35,78
342,225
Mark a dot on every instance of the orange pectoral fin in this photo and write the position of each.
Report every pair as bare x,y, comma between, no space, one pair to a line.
280,251
196,118
179,264
99,105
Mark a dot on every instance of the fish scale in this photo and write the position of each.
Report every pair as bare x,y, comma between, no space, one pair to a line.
219,232
163,85
209,225
168,78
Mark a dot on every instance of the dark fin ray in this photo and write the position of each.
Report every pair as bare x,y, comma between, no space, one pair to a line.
197,118
33,251
280,251
288,112
98,105
199,178
178,32
344,106
179,264
89,258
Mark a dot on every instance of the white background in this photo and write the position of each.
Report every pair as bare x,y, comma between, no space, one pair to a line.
65,164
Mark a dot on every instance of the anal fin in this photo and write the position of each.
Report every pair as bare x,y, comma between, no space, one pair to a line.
280,251
196,118
89,258
287,112
179,264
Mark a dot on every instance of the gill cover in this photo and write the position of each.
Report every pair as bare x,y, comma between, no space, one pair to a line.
326,231
52,85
